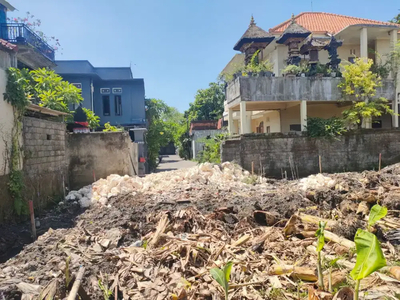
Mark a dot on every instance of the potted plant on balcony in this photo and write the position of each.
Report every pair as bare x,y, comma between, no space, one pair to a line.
305,69
321,70
291,71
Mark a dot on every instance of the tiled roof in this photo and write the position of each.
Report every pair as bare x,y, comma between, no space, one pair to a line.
8,45
325,22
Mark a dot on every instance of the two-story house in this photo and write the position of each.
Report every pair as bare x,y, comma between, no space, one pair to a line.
20,47
283,104
112,93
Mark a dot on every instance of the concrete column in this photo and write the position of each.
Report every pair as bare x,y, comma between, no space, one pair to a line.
243,117
395,107
248,122
231,126
303,115
364,43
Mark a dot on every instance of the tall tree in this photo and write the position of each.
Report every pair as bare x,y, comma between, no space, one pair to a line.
208,103
396,19
164,122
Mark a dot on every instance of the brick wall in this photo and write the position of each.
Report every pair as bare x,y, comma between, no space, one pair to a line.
44,161
277,153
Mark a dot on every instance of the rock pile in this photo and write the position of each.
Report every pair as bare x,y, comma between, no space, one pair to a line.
158,237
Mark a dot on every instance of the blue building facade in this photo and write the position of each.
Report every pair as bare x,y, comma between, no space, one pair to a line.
112,93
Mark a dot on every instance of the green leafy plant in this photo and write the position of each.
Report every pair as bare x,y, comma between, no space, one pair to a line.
222,276
103,285
212,147
360,82
291,69
109,128
377,212
320,234
370,257
93,120
319,127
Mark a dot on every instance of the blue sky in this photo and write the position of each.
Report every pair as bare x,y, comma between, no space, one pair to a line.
177,46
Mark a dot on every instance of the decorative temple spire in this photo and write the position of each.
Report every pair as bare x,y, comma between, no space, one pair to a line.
252,40
252,23
293,19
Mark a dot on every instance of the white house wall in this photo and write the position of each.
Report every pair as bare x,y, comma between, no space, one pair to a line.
6,124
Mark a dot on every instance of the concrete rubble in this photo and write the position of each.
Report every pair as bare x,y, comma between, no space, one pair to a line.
158,237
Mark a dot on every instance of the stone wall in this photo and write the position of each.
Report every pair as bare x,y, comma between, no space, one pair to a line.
44,159
274,154
99,155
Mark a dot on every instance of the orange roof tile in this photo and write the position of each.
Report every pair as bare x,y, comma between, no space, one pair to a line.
325,22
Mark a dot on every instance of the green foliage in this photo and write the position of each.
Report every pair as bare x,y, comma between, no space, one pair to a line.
320,234
364,110
53,92
291,69
18,88
93,120
212,149
162,129
382,70
109,128
255,67
332,127
223,277
103,285
370,257
377,212
360,82
208,103
396,19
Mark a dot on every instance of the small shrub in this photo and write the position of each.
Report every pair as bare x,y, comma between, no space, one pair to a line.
211,152
292,69
332,127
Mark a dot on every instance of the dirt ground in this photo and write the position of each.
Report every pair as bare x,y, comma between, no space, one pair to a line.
160,242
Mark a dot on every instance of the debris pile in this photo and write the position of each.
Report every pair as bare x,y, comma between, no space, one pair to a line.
158,237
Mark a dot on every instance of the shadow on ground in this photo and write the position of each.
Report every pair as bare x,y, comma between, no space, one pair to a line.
13,237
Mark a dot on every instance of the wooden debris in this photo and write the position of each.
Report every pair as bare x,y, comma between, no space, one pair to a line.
75,288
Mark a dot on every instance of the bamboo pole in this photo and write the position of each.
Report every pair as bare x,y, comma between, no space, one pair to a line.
33,224
380,161
77,283
320,163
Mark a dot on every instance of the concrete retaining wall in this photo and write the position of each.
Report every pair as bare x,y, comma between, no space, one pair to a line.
103,153
276,153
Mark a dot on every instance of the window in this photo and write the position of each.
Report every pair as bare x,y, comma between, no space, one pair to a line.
295,127
77,85
106,105
118,105
377,124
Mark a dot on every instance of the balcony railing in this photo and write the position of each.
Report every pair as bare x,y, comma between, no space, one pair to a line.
21,34
294,89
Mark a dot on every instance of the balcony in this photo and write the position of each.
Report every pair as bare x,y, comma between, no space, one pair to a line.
261,89
33,51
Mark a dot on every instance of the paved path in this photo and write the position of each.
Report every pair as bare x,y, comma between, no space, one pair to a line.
174,162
